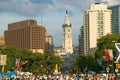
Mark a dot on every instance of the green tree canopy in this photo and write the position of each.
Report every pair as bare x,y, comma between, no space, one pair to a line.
106,42
84,63
29,61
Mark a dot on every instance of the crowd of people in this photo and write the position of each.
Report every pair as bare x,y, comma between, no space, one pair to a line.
65,77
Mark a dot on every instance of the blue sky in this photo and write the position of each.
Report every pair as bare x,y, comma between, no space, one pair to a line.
49,13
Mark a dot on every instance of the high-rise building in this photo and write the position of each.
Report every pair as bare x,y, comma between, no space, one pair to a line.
115,18
26,34
67,35
80,39
97,23
49,42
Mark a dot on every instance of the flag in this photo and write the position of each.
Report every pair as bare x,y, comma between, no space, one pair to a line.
109,54
17,63
23,62
117,45
118,59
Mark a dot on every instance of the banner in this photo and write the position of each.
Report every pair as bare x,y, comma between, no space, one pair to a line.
3,59
117,45
17,63
109,54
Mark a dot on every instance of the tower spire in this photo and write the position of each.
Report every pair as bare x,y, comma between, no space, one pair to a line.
66,11
67,21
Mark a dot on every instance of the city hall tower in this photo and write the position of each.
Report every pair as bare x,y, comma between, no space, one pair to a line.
67,35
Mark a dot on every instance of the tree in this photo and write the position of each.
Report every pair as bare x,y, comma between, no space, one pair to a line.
83,63
106,42
31,62
10,52
50,60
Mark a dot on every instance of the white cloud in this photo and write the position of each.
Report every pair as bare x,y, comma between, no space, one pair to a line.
111,2
23,7
34,7
6,18
53,13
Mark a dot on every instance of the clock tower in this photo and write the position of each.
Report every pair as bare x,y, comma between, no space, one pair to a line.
67,35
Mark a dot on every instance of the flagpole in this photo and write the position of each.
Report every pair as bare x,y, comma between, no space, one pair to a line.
113,64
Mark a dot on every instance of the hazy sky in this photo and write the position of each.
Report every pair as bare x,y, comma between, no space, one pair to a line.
49,13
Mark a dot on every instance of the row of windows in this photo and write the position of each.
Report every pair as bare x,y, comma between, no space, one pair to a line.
20,38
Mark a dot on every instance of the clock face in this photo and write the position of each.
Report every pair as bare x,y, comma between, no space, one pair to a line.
68,30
